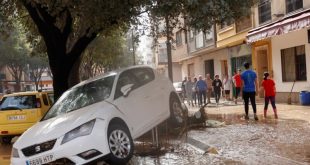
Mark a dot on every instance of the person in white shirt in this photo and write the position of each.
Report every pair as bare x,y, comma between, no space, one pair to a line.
227,86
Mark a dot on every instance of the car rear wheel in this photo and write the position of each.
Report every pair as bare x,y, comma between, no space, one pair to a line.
120,144
177,112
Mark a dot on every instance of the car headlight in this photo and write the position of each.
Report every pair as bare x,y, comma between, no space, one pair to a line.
82,130
15,153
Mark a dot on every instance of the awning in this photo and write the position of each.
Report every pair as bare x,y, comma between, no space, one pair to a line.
285,25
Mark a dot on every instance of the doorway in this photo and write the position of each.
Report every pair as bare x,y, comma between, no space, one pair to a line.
262,66
224,68
209,68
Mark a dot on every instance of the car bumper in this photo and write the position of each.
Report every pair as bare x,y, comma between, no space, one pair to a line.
70,151
14,129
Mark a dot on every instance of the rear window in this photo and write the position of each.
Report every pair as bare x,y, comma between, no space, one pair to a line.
18,102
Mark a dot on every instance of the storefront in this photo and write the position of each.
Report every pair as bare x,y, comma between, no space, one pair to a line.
282,48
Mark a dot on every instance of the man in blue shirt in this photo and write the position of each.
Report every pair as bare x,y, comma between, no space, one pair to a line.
249,83
202,87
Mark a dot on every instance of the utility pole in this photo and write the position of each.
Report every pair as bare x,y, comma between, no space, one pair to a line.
168,44
133,47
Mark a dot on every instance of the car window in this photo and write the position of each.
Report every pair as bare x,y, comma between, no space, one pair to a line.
44,97
82,96
144,75
125,78
18,102
51,97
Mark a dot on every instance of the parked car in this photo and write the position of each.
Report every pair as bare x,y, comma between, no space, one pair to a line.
19,111
178,88
99,118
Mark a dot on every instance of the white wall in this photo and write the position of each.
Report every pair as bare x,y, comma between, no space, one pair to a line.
291,39
199,62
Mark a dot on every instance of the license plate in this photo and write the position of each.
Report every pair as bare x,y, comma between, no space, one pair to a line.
17,117
40,160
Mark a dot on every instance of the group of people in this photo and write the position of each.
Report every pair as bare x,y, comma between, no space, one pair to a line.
201,89
245,82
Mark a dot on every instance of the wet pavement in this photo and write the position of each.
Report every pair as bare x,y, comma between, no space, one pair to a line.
228,139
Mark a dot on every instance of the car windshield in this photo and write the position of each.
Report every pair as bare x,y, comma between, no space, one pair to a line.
82,96
18,102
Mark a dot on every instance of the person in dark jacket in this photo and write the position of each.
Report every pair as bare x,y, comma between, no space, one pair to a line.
201,87
217,88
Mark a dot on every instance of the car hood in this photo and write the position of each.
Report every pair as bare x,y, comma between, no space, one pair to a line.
58,126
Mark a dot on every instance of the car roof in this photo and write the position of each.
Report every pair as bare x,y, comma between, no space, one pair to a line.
24,93
110,73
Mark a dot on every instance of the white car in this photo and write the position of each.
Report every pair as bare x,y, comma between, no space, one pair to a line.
99,118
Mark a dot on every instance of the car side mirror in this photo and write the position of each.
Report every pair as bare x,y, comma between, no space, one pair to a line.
126,89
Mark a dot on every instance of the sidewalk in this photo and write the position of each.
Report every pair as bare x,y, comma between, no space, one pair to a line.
285,111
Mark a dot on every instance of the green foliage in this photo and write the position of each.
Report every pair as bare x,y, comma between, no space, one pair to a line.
103,54
67,27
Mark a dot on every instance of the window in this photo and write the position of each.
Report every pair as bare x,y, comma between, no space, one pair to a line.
294,64
191,33
124,79
292,5
199,39
179,37
191,71
144,75
209,37
264,11
18,102
225,24
243,23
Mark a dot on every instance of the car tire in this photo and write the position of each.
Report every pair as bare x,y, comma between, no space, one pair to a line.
177,113
6,139
120,144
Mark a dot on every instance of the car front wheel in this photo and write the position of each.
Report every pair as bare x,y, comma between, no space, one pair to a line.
120,144
177,112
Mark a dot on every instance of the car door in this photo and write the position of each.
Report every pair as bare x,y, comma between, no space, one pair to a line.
135,105
154,96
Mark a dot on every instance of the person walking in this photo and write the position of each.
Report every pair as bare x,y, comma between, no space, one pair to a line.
249,83
183,88
195,91
237,82
202,87
270,92
209,87
217,86
189,91
227,87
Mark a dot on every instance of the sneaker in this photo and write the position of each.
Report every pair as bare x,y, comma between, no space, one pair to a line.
246,117
255,117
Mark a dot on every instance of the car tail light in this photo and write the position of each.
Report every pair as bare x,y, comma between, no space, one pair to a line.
38,103
4,132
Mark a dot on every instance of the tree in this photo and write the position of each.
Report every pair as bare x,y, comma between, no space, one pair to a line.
103,54
37,65
68,27
14,55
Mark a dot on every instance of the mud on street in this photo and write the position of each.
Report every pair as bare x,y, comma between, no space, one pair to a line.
227,139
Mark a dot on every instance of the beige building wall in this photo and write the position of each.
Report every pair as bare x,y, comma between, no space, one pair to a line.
289,40
199,62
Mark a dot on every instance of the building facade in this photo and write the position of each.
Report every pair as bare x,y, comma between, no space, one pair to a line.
280,44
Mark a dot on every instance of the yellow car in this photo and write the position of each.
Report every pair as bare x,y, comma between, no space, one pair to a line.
19,111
